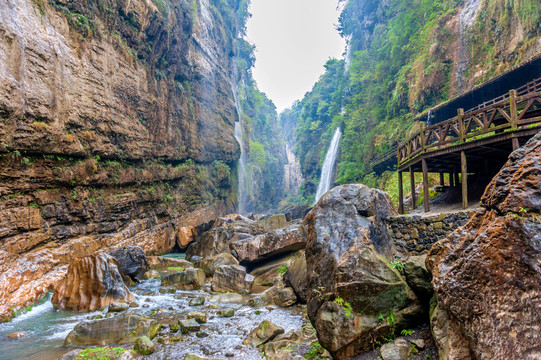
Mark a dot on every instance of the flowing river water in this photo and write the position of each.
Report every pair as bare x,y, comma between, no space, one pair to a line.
47,328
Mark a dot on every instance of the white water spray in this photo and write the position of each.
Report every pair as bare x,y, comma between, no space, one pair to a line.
327,172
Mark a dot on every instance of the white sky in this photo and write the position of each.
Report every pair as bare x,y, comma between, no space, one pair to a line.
294,39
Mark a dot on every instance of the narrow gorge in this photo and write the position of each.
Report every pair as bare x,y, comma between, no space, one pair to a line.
156,203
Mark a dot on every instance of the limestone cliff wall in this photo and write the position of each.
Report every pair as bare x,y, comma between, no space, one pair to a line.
116,128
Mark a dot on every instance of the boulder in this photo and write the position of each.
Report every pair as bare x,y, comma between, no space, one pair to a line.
120,329
151,274
188,325
271,273
350,282
273,222
419,278
274,296
210,264
200,317
197,301
265,332
91,283
185,236
16,335
189,279
131,260
226,313
213,238
295,276
118,307
261,247
486,275
143,346
232,278
71,355
397,350
162,263
296,212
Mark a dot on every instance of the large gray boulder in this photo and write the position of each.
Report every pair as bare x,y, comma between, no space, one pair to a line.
131,260
264,246
232,278
120,329
209,265
349,279
295,277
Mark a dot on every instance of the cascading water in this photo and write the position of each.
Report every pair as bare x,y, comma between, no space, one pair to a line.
327,172
241,166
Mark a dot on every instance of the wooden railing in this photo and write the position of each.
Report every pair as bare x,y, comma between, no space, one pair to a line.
509,112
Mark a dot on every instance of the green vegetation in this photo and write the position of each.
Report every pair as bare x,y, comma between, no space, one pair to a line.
345,305
175,268
100,353
315,352
282,269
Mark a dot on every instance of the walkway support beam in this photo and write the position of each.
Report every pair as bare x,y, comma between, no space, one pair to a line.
426,194
464,167
400,194
412,184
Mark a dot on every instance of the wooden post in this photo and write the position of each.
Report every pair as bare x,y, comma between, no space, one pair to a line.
513,109
442,179
400,194
516,144
425,187
461,128
464,167
423,138
412,184
451,179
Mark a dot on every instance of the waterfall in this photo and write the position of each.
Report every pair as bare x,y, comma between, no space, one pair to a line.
327,172
241,165
467,18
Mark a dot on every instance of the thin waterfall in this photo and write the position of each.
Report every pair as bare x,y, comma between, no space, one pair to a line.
241,166
327,172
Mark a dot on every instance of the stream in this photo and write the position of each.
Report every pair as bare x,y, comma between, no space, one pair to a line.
48,328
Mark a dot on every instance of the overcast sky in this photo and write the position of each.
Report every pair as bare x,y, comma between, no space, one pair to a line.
294,39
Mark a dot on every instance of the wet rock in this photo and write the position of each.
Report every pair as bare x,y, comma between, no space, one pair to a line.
486,274
225,313
151,274
162,263
185,236
295,277
197,316
273,222
133,304
72,355
347,241
261,247
131,260
396,350
419,278
191,356
201,334
296,212
120,329
265,332
118,307
272,349
174,328
197,301
144,346
209,265
188,325
232,278
419,343
189,279
280,296
228,299
17,335
91,283
270,273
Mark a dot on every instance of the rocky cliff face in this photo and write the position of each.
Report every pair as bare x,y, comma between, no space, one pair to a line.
116,122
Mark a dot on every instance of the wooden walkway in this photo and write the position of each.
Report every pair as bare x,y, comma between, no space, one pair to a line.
480,137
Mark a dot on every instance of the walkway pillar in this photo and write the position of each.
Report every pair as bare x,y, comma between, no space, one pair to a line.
400,194
464,167
426,199
412,184
516,144
457,180
451,178
442,179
